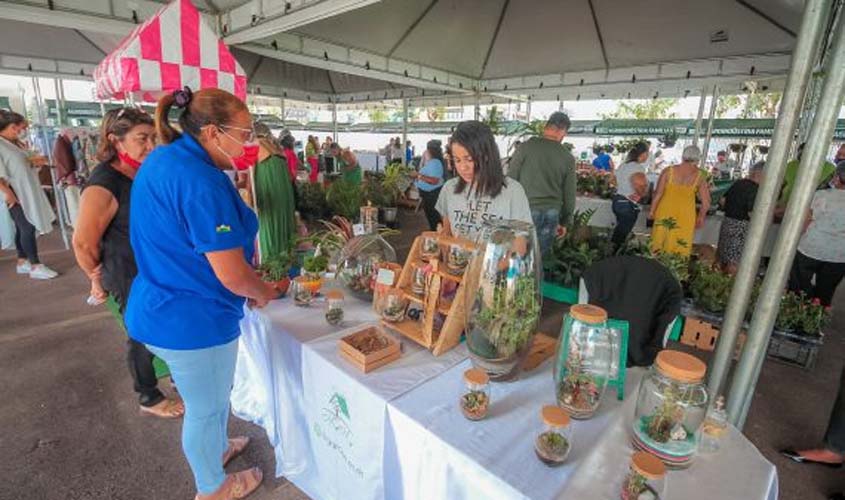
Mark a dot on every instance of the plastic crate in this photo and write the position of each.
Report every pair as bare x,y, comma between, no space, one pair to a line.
793,349
559,293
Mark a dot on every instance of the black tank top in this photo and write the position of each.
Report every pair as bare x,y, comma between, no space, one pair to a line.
116,257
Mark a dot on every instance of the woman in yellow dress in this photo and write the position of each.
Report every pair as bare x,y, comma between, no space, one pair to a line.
673,206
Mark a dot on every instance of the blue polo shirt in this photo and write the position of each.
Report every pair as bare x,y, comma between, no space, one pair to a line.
602,162
182,207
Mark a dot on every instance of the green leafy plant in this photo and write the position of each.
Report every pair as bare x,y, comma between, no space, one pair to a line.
372,192
799,314
312,200
711,288
596,183
276,267
474,404
344,198
509,319
315,264
396,181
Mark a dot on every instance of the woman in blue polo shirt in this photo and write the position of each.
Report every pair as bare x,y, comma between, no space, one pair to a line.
193,239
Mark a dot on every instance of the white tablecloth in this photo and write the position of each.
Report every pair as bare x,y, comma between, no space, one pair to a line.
437,453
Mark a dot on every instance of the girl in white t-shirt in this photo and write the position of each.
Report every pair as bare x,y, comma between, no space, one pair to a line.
481,192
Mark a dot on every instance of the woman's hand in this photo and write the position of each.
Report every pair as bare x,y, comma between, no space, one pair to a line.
11,199
699,222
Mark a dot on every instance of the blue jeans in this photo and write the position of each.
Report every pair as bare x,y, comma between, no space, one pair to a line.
546,222
205,382
626,212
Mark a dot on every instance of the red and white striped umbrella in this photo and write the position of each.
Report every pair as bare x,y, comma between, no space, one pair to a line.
173,49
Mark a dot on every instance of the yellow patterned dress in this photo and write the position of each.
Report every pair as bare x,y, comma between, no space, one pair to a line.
674,219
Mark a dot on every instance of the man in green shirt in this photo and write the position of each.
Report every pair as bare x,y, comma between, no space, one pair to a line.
791,172
546,171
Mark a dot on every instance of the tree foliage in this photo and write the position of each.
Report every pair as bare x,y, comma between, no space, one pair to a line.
760,105
653,109
377,115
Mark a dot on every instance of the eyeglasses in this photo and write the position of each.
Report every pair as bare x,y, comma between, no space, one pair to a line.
251,131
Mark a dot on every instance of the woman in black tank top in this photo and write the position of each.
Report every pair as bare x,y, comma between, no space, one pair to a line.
101,239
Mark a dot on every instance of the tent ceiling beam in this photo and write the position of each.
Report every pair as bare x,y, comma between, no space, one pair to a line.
73,18
494,37
90,42
253,20
598,33
411,28
323,55
767,17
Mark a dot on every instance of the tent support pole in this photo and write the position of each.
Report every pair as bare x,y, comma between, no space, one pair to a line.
58,195
699,116
334,119
102,109
768,304
60,102
282,105
528,111
712,116
404,130
806,47
477,108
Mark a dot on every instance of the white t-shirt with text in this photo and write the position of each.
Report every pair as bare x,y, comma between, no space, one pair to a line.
467,212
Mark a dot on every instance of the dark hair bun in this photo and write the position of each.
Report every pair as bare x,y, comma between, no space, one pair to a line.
182,97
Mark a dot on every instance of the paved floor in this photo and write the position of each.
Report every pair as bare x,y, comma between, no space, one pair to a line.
71,428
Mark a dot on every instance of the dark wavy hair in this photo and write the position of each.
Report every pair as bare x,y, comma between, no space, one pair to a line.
118,122
635,151
478,140
435,151
8,118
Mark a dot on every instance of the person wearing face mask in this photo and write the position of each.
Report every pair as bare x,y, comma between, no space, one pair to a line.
193,239
101,239
481,192
28,205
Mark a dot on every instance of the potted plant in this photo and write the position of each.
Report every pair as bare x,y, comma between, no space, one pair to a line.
275,270
313,268
711,289
396,181
737,147
344,199
311,202
669,140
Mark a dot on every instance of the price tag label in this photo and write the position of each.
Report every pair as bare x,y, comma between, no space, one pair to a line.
385,277
358,229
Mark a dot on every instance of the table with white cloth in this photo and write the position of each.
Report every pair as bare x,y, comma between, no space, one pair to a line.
397,432
707,235
435,452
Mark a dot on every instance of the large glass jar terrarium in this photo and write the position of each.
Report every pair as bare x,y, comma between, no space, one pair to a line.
359,261
504,277
584,360
671,407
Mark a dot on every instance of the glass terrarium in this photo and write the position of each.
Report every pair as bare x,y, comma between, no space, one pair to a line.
303,292
334,308
646,479
504,276
671,407
584,360
418,280
553,443
359,261
430,248
457,259
475,399
394,305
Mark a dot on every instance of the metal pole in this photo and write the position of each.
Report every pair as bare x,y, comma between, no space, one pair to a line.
528,111
404,130
57,193
766,309
334,120
283,110
706,148
102,109
806,47
699,116
477,115
59,102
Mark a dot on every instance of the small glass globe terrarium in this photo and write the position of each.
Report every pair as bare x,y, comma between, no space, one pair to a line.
394,306
646,479
584,360
430,248
334,308
504,277
418,281
552,445
359,261
671,407
303,292
457,259
476,396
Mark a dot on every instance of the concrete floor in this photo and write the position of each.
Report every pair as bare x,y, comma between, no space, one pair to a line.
71,428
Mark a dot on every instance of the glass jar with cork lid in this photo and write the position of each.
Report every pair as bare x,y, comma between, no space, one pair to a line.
552,445
671,406
646,478
475,399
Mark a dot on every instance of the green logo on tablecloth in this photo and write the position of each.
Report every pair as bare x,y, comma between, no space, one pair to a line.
338,402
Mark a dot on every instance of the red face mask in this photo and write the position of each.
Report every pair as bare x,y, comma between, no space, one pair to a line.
128,160
246,159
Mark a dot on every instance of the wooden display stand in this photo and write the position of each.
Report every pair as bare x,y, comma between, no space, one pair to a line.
423,332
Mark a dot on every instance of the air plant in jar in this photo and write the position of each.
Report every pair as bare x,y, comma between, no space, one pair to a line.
476,397
430,248
457,259
394,307
418,280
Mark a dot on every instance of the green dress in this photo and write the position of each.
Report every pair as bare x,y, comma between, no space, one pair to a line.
275,201
354,175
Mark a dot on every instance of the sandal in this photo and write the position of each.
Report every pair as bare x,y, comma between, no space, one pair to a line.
166,408
236,447
238,485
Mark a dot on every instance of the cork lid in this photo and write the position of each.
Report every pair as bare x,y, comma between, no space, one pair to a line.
647,465
334,294
476,376
554,416
588,313
680,366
